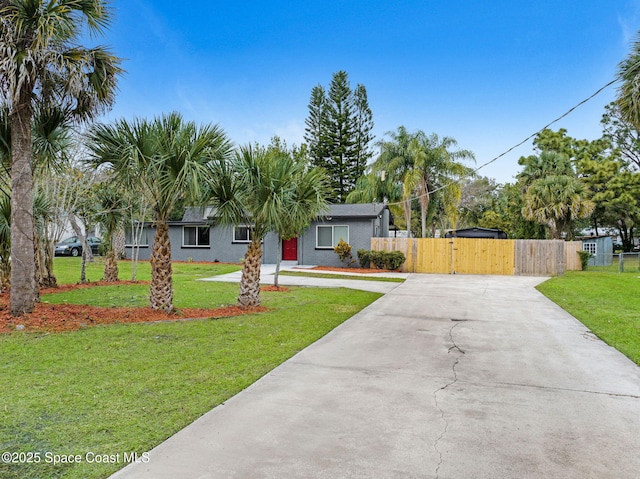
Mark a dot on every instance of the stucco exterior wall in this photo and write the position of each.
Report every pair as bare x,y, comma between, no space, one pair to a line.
360,233
223,248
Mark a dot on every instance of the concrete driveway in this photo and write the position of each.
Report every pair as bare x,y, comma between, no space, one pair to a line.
443,377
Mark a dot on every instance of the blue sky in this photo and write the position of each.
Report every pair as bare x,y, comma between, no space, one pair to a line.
488,73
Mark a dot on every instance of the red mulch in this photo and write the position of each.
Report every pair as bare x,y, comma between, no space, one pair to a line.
279,289
55,318
353,270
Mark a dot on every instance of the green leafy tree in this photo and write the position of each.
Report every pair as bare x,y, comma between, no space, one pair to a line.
42,62
169,158
622,135
269,191
478,196
616,193
338,132
553,195
505,214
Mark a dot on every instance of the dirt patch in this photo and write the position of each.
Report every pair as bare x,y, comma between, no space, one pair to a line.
54,318
351,270
278,289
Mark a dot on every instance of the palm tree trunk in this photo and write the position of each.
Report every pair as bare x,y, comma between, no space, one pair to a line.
407,215
24,289
278,254
110,266
250,283
161,293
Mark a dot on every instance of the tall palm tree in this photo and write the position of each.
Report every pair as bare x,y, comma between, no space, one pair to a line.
397,161
41,61
267,191
629,91
438,167
51,132
5,242
168,158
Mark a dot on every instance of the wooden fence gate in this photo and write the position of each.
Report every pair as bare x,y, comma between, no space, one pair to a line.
483,256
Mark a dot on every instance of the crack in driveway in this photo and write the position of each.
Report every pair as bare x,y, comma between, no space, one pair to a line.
457,348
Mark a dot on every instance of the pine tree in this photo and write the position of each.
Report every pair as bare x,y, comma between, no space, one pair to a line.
339,133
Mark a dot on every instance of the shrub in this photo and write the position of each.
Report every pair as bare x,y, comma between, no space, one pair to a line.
395,259
584,259
343,250
391,260
377,259
364,258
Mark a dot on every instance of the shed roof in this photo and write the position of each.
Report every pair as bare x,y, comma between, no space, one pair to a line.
477,232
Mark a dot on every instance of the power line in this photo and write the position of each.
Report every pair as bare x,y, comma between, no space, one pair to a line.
568,112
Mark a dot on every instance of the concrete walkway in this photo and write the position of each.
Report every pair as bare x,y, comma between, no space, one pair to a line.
444,377
267,276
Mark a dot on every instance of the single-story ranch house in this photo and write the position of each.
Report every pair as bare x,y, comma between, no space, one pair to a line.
197,237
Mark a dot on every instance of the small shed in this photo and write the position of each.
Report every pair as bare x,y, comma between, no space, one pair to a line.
476,232
600,247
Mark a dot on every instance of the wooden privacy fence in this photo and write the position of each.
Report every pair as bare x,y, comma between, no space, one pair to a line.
484,256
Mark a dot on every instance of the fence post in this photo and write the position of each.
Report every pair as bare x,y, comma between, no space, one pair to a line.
621,262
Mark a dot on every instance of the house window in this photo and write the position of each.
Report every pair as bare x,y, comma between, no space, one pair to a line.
135,237
195,236
329,236
242,234
590,248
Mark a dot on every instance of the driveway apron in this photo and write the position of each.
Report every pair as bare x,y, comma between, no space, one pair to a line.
443,377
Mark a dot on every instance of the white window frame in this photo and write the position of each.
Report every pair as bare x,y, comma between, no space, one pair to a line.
144,238
249,234
197,237
333,237
590,247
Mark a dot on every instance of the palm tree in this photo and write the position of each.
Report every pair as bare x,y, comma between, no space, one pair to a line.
556,202
309,200
5,242
42,62
111,217
51,134
437,167
267,191
397,161
169,159
629,91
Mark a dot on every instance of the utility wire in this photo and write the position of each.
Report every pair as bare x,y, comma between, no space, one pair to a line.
568,112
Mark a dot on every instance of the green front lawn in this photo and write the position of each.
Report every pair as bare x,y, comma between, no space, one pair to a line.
607,303
124,388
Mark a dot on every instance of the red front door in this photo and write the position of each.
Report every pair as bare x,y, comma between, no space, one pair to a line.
290,249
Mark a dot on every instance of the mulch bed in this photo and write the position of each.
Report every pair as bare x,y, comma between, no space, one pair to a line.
55,318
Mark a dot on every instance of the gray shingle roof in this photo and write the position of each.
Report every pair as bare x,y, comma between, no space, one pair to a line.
364,210
199,214
195,214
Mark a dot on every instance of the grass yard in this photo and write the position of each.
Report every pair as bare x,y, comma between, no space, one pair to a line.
607,303
124,388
